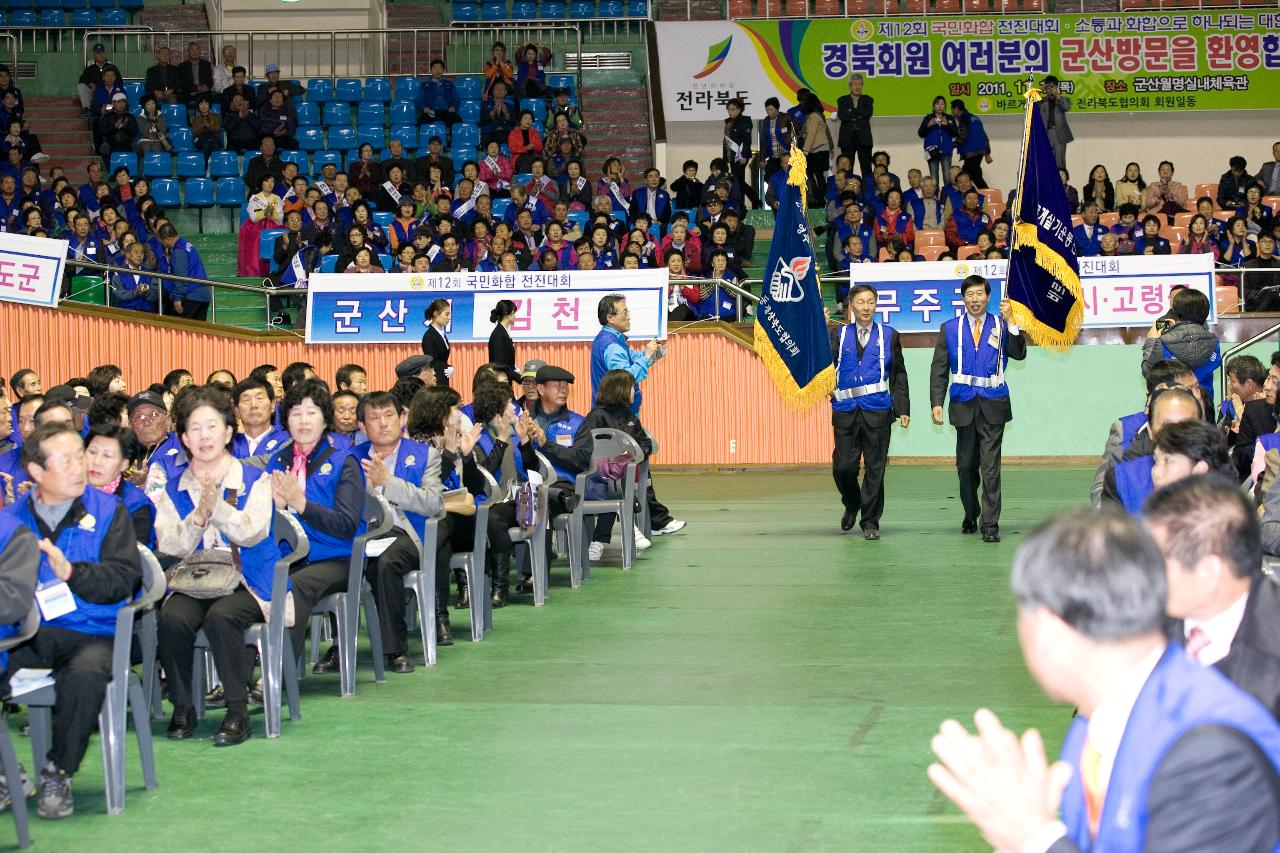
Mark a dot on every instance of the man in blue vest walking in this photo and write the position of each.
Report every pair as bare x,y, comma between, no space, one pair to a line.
974,350
1165,753
871,388
89,569
181,258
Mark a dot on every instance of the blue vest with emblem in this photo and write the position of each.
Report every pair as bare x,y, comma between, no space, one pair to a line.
1133,482
561,432
170,456
1179,696
1204,373
135,499
324,472
11,464
9,524
485,443
1130,426
602,342
863,383
977,370
258,562
411,466
80,543
271,442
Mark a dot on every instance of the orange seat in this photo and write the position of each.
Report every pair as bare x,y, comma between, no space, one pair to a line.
741,9
1182,219
1211,190
856,8
1076,219
1272,201
827,9
996,209
981,7
769,8
1175,245
1227,298
1108,219
909,7
931,238
967,251
946,7
930,253
796,8
1011,6
1224,215
1126,5
992,195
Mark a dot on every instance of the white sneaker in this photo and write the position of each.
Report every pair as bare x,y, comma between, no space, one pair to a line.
675,525
641,541
595,551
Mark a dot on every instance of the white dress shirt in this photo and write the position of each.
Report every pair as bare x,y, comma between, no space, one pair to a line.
1220,629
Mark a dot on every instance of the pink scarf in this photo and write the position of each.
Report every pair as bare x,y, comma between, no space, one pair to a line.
299,466
110,488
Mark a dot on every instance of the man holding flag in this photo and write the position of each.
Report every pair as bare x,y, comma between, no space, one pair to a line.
1042,297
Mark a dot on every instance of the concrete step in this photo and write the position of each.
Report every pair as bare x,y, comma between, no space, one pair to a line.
175,18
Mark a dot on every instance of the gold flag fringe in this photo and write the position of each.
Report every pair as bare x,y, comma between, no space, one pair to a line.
797,398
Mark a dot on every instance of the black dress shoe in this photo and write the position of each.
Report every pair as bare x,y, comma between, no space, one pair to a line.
328,663
183,724
400,663
991,536
871,534
255,694
969,526
235,730
525,586
846,521
464,596
444,634
215,699
499,598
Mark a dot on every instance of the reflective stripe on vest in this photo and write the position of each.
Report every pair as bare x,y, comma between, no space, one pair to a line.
962,378
862,390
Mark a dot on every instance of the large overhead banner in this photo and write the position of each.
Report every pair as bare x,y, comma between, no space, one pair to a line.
1151,62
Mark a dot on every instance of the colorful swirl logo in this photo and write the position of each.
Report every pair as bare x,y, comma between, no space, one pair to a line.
716,55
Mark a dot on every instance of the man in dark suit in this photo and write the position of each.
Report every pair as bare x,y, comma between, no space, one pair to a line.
854,111
195,75
1250,415
871,389
1227,609
162,78
974,350
1164,755
1269,174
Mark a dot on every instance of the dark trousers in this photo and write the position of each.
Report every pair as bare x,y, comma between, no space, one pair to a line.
193,310
739,171
81,665
224,621
386,577
861,438
978,453
973,167
311,583
449,117
863,153
659,517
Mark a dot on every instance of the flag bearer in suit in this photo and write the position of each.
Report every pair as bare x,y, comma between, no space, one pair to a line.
974,349
871,388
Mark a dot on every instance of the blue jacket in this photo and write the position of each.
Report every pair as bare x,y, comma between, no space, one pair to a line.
411,465
185,260
1133,482
135,499
1089,239
1130,426
324,470
869,374
437,95
977,370
1179,696
609,351
1203,373
124,292
661,204
976,141
942,138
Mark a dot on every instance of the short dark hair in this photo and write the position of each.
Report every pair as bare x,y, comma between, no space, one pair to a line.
376,400
436,306
344,374
1098,571
295,373
1166,371
860,288
101,377
250,384
405,389
311,389
130,448
193,397
106,408
1237,162
173,377
263,370
32,449
1246,368
16,380
608,307
975,281
1169,393
1199,441
1189,306
491,399
1205,515
429,409
615,389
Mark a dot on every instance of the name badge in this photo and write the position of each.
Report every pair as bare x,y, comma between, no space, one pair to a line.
994,340
564,440
55,600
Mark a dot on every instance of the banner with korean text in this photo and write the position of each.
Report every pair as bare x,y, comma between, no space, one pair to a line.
550,306
1145,61
1122,291
31,269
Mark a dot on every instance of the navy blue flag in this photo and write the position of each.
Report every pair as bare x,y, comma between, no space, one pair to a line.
791,328
1044,276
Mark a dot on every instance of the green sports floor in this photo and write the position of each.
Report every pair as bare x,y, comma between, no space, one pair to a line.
757,682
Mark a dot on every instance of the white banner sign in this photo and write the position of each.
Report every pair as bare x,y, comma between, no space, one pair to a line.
31,269
704,64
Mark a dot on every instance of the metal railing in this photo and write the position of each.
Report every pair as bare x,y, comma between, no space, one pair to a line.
9,46
743,298
29,38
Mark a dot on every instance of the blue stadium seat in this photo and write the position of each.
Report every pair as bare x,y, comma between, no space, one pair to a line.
347,89
470,87
319,90
552,9
352,156
130,5
493,11
522,178
175,114
384,218
404,112
582,9
230,192
375,136
52,18
337,114
191,165
267,242
579,218
95,4
387,262
165,192
84,18
320,158
248,158
435,128
4,17
115,18
299,157
538,107
469,112
610,9
637,9
371,114
48,4
310,138
342,137
500,206
157,164
407,89
123,158
23,18
377,89
197,192
308,115
406,133
465,12
223,164
466,138
329,263
523,10
182,139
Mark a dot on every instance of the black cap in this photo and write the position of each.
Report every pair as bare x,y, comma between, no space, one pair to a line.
66,395
413,365
562,91
729,211
99,47
551,373
145,398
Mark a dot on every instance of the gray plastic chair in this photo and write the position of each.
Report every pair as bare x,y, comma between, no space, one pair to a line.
379,518
607,443
472,564
562,525
535,540
8,757
422,583
124,693
279,670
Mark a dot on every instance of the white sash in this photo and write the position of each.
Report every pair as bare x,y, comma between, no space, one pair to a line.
392,191
298,267
617,193
324,188
256,204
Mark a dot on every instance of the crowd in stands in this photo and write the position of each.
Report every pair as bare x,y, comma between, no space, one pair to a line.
197,472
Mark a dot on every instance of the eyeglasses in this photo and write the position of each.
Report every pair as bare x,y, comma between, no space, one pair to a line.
146,417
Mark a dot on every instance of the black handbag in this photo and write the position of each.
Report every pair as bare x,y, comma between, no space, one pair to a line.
209,572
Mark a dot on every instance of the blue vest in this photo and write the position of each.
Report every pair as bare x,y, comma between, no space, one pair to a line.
135,499
185,291
1269,442
1133,482
171,456
602,342
9,524
513,446
1204,373
258,562
271,442
126,286
863,383
80,543
977,371
324,472
1130,426
1089,239
10,463
1179,696
564,427
938,138
411,466
976,142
